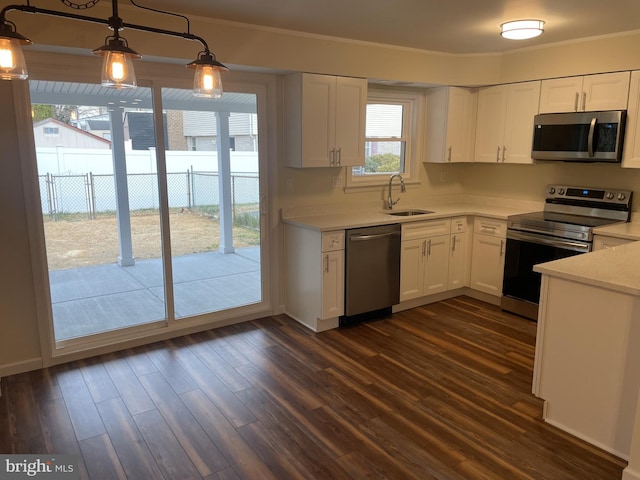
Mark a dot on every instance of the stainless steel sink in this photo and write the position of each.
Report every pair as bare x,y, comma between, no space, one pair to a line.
408,213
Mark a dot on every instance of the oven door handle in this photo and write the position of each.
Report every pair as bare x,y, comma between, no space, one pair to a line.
550,241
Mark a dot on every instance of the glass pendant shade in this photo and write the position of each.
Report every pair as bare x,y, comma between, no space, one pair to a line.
117,71
207,82
117,66
12,64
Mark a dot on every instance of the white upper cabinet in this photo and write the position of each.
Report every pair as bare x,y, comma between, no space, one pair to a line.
606,91
324,120
451,121
504,124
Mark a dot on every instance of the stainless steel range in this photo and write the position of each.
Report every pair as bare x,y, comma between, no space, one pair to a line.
564,228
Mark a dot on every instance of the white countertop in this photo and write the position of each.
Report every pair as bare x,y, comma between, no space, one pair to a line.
615,268
366,218
627,231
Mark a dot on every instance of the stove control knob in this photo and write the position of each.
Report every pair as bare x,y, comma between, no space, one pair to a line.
610,195
552,190
561,191
621,196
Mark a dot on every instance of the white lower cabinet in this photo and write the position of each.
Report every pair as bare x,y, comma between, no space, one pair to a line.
487,259
315,276
459,253
424,258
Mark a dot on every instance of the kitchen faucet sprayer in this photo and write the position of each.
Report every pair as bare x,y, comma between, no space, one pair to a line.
390,201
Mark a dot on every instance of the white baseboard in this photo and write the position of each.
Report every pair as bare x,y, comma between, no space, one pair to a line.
586,438
628,474
20,367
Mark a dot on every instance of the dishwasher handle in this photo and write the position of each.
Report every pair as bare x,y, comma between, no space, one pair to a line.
363,238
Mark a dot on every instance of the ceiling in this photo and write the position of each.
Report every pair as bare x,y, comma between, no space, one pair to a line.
451,26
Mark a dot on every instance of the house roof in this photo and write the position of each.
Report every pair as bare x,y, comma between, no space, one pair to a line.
70,127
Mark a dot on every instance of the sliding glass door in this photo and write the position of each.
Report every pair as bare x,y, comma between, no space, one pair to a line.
213,186
117,261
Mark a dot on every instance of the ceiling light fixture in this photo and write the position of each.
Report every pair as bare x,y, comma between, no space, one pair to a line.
117,67
522,29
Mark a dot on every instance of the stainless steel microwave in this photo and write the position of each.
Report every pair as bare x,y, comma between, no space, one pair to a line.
579,137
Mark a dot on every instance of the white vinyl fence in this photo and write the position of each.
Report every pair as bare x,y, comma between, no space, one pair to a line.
74,181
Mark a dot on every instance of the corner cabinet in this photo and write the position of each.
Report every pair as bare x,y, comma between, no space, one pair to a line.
459,253
324,120
487,260
504,124
451,122
605,91
314,276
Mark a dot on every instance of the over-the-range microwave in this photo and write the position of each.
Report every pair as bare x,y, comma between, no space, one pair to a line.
579,137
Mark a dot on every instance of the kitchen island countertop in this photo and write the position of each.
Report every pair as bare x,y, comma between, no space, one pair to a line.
615,268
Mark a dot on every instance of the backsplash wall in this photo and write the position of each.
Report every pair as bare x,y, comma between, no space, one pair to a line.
528,182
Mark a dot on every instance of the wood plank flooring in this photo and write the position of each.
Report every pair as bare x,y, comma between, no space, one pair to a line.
437,392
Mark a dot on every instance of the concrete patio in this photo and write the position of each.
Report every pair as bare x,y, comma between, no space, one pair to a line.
102,298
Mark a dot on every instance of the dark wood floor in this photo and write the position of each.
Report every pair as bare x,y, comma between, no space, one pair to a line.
437,392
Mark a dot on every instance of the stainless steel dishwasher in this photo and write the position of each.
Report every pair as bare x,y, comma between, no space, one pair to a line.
372,271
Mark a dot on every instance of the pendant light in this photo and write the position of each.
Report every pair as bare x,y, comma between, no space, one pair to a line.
12,64
207,82
117,66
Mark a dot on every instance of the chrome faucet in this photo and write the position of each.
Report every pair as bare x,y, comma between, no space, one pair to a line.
390,201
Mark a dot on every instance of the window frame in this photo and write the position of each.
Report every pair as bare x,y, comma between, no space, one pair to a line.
412,102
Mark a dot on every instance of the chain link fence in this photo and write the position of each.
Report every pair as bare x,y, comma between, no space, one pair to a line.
88,195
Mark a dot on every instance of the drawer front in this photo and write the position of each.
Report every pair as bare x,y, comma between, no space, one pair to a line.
430,228
490,226
459,224
333,241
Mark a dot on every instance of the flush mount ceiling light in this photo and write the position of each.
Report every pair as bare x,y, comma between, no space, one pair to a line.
522,29
117,67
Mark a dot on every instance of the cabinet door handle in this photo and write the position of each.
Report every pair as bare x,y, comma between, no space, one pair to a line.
498,154
501,247
453,244
491,228
339,157
429,248
584,101
504,153
449,159
326,263
575,104
424,248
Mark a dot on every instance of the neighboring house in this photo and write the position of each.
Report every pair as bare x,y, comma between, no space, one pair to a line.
139,128
98,126
54,133
199,130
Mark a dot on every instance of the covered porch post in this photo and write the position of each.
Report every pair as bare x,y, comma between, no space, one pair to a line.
123,216
223,145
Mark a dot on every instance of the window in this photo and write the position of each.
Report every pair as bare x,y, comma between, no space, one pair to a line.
51,131
390,130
